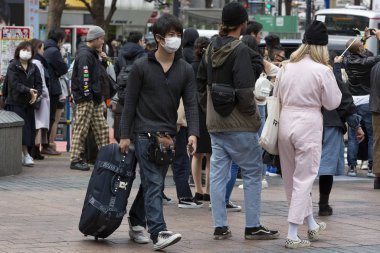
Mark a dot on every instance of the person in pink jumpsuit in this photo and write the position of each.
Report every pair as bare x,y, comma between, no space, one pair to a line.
305,85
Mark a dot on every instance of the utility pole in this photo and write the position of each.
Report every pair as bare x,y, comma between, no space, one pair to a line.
176,6
308,13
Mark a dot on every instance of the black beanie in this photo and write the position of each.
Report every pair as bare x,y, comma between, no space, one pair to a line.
234,14
316,34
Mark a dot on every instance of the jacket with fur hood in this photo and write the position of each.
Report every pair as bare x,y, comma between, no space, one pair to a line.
236,64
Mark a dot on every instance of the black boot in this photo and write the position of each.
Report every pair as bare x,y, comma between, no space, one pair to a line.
36,153
324,207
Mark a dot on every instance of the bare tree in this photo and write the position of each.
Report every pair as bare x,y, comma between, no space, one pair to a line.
97,12
288,7
55,14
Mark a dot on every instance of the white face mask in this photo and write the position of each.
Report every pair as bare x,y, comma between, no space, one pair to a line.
25,55
171,44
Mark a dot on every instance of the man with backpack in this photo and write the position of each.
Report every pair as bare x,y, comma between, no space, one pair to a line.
131,51
156,84
227,75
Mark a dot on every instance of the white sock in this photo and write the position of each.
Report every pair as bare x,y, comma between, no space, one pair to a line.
311,223
293,231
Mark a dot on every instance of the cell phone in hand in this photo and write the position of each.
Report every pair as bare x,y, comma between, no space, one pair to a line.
372,31
190,148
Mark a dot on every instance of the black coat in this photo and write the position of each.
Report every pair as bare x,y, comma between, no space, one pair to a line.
153,96
374,99
19,83
85,81
127,55
57,66
337,117
358,68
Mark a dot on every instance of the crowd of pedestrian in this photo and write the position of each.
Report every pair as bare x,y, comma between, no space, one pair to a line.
204,100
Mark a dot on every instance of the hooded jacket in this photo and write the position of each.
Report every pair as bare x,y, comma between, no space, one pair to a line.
127,55
189,37
85,81
358,68
57,67
19,83
153,97
236,64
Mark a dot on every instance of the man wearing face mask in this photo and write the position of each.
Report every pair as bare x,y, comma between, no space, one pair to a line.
358,64
87,93
154,88
229,64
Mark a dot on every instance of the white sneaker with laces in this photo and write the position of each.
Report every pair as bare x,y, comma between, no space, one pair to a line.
136,233
165,239
28,160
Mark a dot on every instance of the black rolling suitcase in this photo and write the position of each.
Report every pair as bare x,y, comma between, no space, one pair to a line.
108,191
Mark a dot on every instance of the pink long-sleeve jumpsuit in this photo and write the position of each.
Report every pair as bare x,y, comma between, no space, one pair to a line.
304,88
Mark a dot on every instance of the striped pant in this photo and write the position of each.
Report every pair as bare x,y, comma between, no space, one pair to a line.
88,114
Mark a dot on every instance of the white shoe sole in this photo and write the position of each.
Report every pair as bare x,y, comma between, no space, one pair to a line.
139,241
167,243
190,206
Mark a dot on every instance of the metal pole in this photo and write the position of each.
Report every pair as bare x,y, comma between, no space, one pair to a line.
308,13
176,5
279,8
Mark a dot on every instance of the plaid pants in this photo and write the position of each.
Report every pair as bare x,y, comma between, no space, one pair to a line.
88,114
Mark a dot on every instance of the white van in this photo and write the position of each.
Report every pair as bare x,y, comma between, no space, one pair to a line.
341,23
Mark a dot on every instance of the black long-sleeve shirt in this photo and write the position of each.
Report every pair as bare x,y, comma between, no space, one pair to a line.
153,96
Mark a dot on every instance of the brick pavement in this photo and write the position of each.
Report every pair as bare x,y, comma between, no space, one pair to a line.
40,210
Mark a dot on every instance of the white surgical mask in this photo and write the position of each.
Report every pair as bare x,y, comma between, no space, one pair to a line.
25,55
171,44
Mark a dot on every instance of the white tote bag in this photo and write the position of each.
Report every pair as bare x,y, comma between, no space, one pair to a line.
269,136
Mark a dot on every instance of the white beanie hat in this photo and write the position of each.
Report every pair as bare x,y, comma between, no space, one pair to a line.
94,33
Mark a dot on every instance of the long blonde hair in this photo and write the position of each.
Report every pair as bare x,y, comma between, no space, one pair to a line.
317,53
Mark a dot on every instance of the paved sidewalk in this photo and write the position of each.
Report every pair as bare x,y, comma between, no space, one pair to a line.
40,210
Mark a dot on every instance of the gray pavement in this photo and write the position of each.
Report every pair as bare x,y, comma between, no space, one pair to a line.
40,210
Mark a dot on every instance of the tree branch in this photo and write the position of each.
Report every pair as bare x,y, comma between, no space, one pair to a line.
111,12
88,6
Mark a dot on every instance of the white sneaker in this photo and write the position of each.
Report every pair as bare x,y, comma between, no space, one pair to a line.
241,186
28,160
264,183
189,203
165,239
136,233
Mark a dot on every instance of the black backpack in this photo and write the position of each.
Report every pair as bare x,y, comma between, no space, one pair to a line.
122,80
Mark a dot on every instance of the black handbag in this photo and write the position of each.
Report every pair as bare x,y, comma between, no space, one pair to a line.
161,150
222,95
223,98
37,103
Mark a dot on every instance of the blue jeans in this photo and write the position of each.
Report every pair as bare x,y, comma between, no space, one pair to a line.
262,117
243,148
181,165
232,181
353,145
152,181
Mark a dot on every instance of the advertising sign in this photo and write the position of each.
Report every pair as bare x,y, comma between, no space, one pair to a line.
10,37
